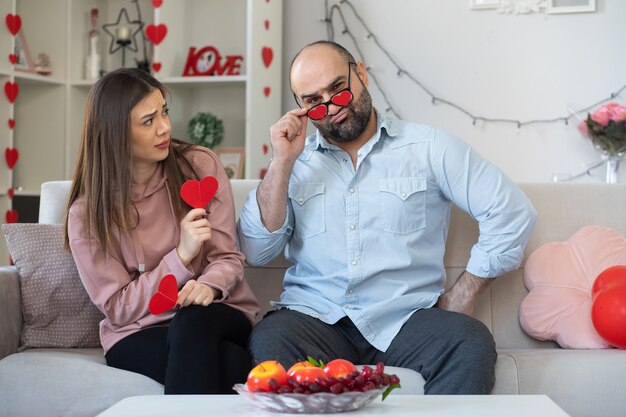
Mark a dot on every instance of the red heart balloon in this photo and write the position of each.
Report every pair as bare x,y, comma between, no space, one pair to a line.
11,155
156,66
165,298
317,113
13,58
608,307
198,194
11,216
14,23
11,193
11,123
157,3
342,99
11,90
267,91
268,54
156,33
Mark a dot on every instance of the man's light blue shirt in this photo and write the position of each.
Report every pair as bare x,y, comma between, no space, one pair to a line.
368,242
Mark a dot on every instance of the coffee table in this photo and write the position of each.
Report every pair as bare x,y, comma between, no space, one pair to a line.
394,405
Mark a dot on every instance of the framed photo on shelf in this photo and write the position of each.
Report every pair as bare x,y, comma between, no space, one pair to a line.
484,4
571,6
232,159
24,60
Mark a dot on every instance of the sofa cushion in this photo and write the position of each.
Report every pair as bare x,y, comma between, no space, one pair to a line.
65,382
559,277
56,308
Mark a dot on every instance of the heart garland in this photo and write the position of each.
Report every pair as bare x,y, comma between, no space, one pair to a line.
13,59
267,91
11,90
268,54
156,33
14,23
156,66
198,194
11,123
11,216
165,298
11,155
11,193
157,3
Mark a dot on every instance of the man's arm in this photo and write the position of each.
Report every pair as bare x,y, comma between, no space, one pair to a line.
462,296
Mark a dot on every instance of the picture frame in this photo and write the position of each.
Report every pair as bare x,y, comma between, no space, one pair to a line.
232,159
484,4
570,6
24,60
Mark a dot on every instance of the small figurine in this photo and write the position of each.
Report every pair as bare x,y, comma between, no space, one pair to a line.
43,65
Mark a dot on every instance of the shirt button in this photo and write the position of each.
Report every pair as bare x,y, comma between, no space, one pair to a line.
352,227
347,307
351,189
301,200
403,194
350,291
353,262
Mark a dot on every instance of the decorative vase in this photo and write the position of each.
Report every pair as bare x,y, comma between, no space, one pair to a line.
612,168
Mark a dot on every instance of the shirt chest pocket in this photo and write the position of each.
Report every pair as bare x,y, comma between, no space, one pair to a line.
402,204
307,201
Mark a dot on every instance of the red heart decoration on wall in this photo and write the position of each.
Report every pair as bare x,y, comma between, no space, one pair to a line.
11,216
11,123
156,66
11,155
262,173
14,23
11,193
13,58
265,149
157,3
11,90
198,194
156,33
267,24
165,298
268,54
267,91
317,113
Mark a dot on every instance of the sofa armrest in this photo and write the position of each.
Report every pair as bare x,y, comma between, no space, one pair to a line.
10,311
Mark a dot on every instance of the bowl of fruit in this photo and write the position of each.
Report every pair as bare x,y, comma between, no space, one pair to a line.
313,387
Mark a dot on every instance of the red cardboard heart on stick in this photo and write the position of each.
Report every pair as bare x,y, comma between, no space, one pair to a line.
165,298
198,194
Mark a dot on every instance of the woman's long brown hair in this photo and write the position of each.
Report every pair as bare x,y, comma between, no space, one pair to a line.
103,167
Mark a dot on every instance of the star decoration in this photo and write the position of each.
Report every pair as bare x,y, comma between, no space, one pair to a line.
110,28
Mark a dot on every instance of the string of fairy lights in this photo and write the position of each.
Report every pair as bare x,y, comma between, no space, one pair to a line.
330,20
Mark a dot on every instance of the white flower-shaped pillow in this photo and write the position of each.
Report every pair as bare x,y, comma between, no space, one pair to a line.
559,277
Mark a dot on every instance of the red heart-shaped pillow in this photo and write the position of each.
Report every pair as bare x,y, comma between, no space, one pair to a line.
198,194
165,298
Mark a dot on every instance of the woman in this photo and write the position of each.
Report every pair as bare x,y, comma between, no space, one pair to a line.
127,228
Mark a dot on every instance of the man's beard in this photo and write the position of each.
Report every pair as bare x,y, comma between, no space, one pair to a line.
353,125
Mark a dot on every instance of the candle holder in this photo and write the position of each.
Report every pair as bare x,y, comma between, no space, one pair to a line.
123,34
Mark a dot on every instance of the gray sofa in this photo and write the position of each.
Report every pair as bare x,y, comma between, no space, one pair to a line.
585,383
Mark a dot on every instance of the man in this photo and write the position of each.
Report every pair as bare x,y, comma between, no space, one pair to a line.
361,208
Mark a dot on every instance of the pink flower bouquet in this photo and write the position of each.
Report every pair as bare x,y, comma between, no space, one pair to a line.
606,128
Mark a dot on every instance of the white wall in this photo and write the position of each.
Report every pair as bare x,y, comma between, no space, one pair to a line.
519,67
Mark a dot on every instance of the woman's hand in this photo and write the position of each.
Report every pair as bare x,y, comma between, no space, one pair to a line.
194,292
195,229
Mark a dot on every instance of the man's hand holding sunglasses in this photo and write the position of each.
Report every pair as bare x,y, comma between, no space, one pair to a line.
288,135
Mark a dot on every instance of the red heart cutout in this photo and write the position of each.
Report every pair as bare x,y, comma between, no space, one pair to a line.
165,298
14,23
11,193
267,91
262,173
156,66
11,123
267,24
156,33
157,3
198,194
11,90
342,99
268,54
11,155
317,113
11,216
265,149
13,58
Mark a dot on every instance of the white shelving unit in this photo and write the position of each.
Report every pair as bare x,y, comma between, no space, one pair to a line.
49,109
